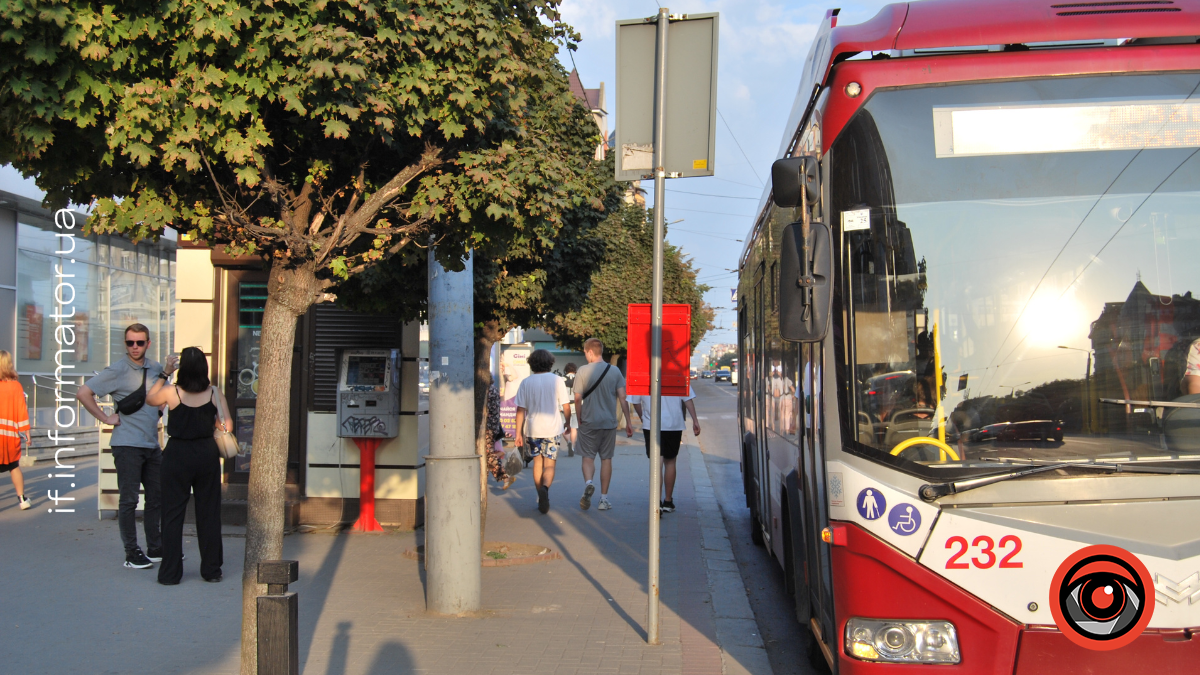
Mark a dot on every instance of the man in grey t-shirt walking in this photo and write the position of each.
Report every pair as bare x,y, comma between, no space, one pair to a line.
134,441
598,388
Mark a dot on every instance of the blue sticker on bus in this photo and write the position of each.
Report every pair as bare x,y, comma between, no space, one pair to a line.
871,504
904,519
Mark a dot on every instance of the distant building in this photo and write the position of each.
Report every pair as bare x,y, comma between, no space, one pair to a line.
65,300
715,352
594,100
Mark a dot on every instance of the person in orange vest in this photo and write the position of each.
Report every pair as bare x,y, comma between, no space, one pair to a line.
14,424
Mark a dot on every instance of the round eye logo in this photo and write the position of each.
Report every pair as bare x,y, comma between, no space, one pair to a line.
1102,597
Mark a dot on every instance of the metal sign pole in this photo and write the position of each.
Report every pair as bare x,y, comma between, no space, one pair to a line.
660,94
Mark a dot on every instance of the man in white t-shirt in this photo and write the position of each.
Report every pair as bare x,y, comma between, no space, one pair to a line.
670,436
542,404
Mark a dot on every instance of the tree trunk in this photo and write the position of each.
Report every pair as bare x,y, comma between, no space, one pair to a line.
487,333
290,292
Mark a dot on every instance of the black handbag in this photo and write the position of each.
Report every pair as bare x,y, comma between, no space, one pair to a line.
134,402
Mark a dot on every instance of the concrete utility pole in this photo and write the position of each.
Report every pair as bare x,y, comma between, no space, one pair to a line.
452,546
656,318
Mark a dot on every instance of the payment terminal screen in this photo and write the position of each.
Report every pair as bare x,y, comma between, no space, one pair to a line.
366,370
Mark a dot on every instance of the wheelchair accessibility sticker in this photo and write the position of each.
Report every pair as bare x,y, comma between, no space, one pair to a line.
904,519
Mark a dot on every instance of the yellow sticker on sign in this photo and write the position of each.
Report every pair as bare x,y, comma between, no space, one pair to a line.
699,163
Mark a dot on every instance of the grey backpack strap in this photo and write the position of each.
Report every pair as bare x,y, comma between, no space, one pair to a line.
597,382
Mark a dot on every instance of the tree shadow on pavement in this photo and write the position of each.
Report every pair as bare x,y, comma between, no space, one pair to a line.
315,593
566,554
392,658
630,563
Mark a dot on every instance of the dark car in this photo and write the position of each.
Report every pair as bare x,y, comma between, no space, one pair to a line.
1032,430
987,433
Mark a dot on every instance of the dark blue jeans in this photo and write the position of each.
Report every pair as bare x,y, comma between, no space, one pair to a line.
138,467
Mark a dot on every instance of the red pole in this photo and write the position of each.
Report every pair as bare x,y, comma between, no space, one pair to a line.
366,486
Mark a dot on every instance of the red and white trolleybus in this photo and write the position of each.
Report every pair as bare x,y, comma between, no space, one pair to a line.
969,340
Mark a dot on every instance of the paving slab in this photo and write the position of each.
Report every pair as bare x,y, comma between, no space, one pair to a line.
71,607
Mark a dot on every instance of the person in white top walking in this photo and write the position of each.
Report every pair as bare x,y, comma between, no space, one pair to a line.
542,404
670,436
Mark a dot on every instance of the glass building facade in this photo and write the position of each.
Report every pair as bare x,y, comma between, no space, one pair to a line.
75,294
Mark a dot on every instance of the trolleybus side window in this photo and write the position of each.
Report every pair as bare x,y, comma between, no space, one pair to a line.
1017,289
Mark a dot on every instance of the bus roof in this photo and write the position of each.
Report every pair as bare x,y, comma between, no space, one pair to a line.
957,24
917,28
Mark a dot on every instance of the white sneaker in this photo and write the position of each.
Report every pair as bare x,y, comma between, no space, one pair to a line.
604,505
24,502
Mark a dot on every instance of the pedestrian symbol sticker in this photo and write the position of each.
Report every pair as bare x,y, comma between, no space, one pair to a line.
871,504
904,519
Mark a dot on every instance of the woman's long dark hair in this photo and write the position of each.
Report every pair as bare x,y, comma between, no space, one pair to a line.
193,370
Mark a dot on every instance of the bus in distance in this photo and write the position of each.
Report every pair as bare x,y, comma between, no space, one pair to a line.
969,340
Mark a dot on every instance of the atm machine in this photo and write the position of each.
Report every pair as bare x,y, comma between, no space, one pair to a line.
368,411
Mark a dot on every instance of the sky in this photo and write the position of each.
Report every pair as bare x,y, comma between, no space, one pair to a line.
761,53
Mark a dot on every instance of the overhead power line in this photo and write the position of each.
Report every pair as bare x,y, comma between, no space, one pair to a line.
715,213
735,182
705,194
739,147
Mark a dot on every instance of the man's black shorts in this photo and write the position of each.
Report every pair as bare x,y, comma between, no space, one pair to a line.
668,443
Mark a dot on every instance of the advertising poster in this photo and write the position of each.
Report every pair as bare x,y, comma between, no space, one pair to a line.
81,336
514,368
33,331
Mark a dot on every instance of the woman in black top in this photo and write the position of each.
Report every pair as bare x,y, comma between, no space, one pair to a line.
191,463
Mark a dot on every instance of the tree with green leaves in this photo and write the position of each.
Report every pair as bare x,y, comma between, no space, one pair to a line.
624,277
324,137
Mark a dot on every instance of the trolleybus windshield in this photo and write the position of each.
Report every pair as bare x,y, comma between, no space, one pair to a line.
1037,243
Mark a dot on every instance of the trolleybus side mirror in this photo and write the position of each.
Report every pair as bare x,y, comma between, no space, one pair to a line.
790,175
805,292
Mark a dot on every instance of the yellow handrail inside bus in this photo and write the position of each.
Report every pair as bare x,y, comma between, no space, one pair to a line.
937,383
926,440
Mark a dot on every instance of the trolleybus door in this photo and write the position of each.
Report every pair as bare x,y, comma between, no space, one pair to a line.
813,485
762,455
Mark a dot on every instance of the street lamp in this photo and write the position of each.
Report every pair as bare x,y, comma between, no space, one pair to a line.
1013,387
1087,384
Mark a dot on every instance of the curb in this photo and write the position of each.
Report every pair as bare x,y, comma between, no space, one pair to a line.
742,649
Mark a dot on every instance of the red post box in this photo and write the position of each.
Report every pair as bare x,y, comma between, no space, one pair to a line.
676,350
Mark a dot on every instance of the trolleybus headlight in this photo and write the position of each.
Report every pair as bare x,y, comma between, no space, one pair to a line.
902,641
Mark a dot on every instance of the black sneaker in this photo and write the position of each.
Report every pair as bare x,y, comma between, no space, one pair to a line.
668,506
543,499
137,560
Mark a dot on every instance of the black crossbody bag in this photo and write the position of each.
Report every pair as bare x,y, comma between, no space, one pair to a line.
597,382
134,401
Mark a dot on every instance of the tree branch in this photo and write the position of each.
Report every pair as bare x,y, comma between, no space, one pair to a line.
356,223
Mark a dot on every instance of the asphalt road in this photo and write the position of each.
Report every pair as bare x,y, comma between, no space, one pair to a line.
786,641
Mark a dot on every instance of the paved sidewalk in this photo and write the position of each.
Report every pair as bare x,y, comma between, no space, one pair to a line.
70,607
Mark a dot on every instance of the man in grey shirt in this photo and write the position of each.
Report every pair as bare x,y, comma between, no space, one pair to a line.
598,388
134,441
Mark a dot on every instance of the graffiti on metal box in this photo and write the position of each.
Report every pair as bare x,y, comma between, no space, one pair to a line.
364,426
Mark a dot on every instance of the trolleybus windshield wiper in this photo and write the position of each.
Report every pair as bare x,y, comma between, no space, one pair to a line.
934,491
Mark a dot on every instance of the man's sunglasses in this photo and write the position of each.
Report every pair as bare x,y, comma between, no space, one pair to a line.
131,343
